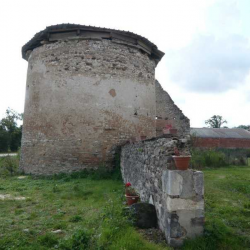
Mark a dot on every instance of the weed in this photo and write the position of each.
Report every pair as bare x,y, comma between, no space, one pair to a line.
79,240
76,188
75,218
55,189
247,205
48,240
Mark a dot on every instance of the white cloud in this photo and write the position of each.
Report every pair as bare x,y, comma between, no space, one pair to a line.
211,65
224,17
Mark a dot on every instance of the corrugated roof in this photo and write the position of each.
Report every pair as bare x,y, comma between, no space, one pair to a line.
65,28
220,133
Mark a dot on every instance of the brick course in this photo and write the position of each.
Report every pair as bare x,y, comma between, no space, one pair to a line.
221,143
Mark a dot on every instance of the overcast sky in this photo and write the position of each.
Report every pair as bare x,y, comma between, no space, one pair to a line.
206,67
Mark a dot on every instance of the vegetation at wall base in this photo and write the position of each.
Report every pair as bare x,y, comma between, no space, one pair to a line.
9,165
78,211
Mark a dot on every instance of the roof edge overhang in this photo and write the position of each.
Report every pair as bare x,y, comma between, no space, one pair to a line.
74,31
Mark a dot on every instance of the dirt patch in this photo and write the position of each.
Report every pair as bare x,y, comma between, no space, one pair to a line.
221,176
10,197
22,177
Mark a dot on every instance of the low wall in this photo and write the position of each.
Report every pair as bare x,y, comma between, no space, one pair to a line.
177,195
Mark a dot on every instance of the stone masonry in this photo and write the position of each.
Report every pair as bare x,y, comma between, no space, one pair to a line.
168,114
177,195
88,90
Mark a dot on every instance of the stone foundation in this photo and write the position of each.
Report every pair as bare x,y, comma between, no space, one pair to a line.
178,195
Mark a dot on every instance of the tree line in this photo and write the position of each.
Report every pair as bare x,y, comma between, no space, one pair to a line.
10,131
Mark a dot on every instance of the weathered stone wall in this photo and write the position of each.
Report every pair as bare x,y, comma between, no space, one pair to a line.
168,113
83,98
177,195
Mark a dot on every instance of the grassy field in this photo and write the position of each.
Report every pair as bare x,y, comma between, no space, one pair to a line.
79,212
227,210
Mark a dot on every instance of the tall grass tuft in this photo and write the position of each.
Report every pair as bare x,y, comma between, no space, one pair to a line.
9,165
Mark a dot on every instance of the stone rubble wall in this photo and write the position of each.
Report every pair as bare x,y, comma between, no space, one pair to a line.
177,195
168,113
84,98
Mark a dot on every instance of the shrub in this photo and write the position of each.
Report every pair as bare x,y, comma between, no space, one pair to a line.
207,158
219,157
9,165
236,156
79,240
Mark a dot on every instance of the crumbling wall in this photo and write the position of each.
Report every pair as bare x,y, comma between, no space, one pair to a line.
83,98
168,114
177,195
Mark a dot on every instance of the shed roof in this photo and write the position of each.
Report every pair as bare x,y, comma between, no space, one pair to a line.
237,133
57,32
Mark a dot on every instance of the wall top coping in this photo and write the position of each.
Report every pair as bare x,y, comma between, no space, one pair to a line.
75,31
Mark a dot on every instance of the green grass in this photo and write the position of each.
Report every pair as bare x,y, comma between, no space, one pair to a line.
89,213
227,204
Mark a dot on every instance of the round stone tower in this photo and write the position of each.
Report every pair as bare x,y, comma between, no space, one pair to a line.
88,91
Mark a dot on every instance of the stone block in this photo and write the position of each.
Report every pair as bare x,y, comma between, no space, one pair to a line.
151,200
188,184
199,183
174,229
175,204
192,221
164,180
157,151
172,183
